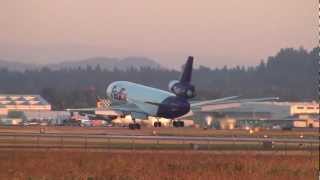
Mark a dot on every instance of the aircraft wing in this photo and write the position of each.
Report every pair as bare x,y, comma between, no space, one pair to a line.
81,110
229,100
126,110
213,101
223,103
250,100
111,110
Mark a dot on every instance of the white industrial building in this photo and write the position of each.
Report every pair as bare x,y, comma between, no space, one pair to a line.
52,117
274,110
24,102
3,111
300,114
19,107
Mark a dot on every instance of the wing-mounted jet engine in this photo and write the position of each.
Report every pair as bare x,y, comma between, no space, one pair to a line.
183,87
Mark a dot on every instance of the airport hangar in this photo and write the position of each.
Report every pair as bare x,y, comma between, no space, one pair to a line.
33,107
263,114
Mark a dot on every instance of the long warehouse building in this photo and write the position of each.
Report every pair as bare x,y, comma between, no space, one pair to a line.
25,102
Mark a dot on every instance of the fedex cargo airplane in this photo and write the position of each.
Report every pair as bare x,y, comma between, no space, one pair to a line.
131,98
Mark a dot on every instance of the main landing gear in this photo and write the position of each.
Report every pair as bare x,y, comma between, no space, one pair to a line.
157,124
178,124
134,125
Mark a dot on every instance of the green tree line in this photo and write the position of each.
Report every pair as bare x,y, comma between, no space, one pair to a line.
292,74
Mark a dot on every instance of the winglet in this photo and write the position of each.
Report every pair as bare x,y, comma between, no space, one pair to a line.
187,71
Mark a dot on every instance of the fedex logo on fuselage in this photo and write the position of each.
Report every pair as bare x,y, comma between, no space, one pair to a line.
119,94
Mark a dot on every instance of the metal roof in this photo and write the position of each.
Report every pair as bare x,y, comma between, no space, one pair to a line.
24,99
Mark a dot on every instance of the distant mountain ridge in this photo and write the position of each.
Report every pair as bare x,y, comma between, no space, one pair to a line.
103,62
16,66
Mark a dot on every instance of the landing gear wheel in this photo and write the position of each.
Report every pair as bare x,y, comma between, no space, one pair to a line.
134,126
178,124
137,126
157,124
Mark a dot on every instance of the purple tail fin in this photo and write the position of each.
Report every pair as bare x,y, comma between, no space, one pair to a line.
187,71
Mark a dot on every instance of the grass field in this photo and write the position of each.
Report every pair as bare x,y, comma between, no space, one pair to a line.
129,165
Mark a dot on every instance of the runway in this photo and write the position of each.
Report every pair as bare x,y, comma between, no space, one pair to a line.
154,139
173,138
53,141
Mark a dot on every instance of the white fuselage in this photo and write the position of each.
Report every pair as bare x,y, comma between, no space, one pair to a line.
128,92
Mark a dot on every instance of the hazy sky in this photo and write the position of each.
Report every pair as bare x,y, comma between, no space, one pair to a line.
216,32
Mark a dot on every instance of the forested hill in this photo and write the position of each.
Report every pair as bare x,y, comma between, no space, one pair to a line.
103,62
292,74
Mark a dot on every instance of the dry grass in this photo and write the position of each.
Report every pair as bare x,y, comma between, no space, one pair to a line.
154,165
